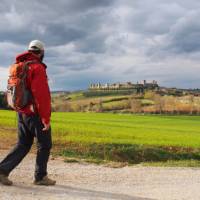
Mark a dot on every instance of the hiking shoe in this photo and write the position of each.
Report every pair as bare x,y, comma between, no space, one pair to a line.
45,181
4,180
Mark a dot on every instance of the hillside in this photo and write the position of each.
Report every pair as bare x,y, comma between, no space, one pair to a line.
165,100
169,101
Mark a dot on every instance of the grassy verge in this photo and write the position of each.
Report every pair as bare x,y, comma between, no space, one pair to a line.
133,154
173,163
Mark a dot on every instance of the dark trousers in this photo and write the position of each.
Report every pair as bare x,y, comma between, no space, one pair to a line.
28,128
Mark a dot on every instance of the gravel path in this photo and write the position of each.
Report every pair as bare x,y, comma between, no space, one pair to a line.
77,181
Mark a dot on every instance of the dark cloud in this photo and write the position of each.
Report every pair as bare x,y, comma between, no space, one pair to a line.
55,22
185,34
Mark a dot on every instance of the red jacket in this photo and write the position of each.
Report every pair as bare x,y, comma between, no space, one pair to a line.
37,82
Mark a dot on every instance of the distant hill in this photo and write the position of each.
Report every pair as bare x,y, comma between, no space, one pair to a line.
161,100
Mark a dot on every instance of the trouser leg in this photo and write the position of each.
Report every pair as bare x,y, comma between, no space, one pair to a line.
44,144
25,141
41,163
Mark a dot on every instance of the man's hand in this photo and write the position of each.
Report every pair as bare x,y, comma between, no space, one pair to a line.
46,127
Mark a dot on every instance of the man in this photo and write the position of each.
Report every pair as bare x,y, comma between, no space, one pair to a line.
33,119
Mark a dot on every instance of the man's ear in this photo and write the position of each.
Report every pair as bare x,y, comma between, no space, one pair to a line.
42,56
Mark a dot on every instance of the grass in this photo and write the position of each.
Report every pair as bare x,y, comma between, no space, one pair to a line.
115,105
76,95
122,137
174,163
147,102
180,131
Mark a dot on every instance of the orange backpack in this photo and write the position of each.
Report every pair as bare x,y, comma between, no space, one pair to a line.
18,95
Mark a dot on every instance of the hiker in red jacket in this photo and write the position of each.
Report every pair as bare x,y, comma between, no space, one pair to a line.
33,119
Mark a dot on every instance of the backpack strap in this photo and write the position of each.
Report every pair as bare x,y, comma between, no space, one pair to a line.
25,70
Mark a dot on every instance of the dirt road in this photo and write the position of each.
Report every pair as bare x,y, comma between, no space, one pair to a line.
77,181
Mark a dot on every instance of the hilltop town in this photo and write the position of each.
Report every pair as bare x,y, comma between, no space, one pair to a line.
139,87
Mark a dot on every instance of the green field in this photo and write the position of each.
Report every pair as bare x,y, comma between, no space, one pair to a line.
122,137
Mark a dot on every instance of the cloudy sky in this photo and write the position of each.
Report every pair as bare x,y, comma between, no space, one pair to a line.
106,40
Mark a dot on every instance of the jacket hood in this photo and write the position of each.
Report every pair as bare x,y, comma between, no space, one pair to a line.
26,56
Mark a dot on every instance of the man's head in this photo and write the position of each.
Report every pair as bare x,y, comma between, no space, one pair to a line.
37,47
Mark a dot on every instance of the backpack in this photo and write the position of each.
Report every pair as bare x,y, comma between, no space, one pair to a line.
18,95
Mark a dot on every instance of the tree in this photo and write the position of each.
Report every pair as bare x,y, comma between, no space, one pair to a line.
191,101
90,107
100,106
136,105
159,103
171,104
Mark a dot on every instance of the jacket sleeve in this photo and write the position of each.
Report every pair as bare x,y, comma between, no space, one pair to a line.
41,93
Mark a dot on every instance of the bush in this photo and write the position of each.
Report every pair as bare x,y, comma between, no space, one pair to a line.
3,103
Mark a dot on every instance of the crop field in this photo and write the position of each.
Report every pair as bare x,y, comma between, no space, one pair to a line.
124,137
